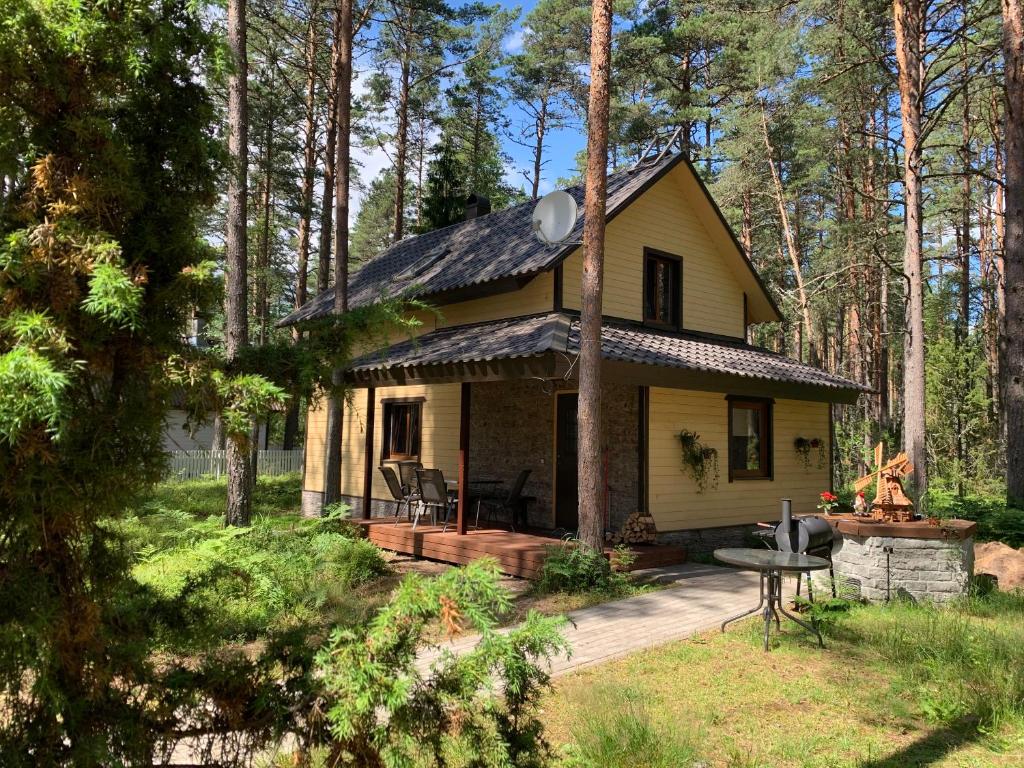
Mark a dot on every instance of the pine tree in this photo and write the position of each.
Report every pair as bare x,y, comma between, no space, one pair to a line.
445,199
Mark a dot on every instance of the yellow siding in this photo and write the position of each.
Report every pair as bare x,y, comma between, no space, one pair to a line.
663,218
316,430
439,439
674,501
536,296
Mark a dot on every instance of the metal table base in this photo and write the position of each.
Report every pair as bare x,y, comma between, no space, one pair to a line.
771,605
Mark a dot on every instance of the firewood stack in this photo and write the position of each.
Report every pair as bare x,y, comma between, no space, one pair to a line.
638,529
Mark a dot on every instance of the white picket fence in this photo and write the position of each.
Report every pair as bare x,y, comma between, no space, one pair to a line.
187,465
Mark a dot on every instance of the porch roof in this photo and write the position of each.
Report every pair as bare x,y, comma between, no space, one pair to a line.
546,345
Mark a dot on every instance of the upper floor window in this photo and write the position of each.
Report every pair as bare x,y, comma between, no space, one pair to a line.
750,439
401,430
662,289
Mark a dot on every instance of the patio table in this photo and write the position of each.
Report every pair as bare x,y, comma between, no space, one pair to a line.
771,565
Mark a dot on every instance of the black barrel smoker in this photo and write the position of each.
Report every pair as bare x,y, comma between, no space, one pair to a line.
807,536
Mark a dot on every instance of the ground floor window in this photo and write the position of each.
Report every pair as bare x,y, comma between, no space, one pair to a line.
402,430
750,439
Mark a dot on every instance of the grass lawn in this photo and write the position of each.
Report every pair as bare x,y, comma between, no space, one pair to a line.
896,687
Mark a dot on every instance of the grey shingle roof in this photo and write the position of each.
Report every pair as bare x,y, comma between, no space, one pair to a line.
498,245
560,332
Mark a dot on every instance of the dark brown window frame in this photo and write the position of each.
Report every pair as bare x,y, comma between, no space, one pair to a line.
677,322
415,414
765,405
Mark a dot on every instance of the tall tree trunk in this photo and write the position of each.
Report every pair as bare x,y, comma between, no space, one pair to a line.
323,274
908,25
591,487
402,146
261,286
291,419
747,230
791,247
236,311
332,462
538,148
1012,346
965,204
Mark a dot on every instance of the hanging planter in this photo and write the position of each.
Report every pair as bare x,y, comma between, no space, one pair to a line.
805,445
699,460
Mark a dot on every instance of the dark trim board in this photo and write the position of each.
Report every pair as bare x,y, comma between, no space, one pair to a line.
704,381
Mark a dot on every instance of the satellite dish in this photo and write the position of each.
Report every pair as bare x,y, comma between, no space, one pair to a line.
554,217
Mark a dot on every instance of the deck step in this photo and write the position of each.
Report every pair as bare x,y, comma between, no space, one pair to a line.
517,554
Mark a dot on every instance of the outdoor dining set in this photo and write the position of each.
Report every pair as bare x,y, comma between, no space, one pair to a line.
425,492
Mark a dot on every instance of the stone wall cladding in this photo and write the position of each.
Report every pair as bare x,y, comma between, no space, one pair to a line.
512,428
511,425
621,406
935,570
704,541
312,503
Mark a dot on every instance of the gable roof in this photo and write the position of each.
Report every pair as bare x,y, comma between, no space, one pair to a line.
559,332
492,247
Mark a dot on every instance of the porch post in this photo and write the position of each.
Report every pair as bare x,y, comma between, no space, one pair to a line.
371,408
463,512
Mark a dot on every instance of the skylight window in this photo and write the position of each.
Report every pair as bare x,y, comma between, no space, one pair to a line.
420,266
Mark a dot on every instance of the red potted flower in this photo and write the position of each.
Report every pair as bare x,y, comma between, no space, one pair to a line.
829,501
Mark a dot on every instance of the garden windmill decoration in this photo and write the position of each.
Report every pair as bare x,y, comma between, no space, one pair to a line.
890,503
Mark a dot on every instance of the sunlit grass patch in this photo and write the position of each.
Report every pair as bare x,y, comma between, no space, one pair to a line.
896,686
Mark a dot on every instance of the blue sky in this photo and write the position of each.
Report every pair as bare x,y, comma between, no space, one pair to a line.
560,147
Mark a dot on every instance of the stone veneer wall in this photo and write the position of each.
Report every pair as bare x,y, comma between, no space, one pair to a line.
512,428
704,541
922,569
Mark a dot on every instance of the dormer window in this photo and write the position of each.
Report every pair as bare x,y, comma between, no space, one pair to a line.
663,283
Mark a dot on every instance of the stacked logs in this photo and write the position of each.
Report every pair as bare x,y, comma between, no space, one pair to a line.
638,529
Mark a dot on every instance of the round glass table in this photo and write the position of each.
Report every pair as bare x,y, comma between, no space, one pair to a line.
772,565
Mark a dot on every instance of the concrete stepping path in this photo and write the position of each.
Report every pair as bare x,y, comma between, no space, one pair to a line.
702,596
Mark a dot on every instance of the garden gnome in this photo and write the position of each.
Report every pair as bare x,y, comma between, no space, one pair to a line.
860,504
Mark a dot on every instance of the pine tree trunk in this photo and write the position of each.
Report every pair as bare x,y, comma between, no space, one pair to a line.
236,318
323,274
591,487
1012,346
908,25
402,148
791,249
332,462
538,149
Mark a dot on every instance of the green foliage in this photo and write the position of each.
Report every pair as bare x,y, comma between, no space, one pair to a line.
445,197
113,296
619,731
699,460
955,662
573,569
996,521
110,159
282,571
476,708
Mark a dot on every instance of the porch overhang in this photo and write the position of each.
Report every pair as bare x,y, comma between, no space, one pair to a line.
546,347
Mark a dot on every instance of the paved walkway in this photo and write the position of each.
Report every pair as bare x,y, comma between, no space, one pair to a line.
703,596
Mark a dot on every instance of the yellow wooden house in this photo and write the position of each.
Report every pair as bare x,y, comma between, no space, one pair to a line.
487,387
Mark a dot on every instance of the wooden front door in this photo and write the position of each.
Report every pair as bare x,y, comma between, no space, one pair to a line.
566,488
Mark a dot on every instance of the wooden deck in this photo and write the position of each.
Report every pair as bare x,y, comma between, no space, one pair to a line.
518,554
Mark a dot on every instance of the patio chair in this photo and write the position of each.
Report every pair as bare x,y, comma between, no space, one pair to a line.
510,503
407,473
400,494
433,496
